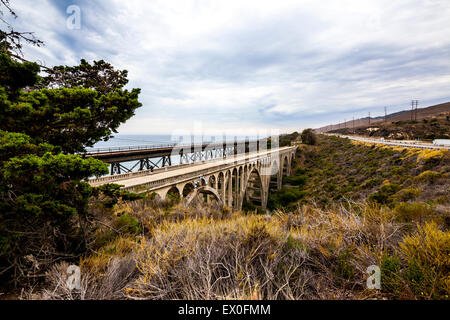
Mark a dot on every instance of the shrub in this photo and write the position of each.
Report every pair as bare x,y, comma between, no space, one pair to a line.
284,197
431,156
385,193
308,137
298,180
343,269
427,254
413,212
389,188
128,224
428,176
407,194
370,183
391,280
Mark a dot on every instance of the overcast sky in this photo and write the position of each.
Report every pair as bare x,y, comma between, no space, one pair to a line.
240,66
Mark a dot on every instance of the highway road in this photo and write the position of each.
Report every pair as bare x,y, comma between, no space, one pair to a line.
396,143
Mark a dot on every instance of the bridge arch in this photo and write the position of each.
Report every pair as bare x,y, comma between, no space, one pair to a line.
188,189
202,181
172,193
221,185
241,179
234,188
275,175
228,188
255,193
212,181
206,190
285,166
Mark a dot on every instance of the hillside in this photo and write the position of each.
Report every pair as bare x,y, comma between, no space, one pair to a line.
339,169
430,128
341,212
440,110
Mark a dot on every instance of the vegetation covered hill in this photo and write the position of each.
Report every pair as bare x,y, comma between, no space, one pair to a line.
348,206
402,116
436,127
337,169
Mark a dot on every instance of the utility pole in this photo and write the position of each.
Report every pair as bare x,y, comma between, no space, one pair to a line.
369,117
353,122
414,104
417,103
385,114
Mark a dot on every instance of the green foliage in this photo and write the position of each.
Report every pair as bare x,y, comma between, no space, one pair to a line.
16,75
110,194
284,197
391,279
286,139
427,255
385,193
370,183
69,118
100,76
421,266
296,180
343,268
428,176
407,194
44,195
309,137
293,243
173,197
413,212
128,224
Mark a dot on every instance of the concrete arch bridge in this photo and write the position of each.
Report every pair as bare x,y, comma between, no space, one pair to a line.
229,182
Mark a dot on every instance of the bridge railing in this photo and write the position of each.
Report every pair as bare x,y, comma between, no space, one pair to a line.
128,148
94,151
154,146
129,175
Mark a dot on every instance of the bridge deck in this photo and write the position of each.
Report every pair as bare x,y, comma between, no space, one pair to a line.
131,153
184,170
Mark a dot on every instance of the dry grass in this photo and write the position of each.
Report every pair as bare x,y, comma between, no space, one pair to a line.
311,253
153,249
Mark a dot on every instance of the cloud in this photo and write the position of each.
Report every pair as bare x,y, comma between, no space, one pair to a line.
244,65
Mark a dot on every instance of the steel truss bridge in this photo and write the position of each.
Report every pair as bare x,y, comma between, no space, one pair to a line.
160,156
